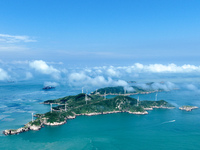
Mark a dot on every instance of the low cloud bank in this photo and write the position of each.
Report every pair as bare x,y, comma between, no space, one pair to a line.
97,76
171,68
54,84
28,76
79,79
166,86
4,75
152,68
42,67
193,87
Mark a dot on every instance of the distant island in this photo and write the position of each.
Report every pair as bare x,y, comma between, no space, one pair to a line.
120,90
48,87
131,81
93,104
187,108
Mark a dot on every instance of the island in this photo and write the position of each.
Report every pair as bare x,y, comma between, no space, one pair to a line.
48,87
131,81
88,104
120,90
187,107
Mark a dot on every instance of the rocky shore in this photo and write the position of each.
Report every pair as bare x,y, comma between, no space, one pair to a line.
71,106
158,107
111,112
27,127
148,108
163,107
188,108
138,113
55,123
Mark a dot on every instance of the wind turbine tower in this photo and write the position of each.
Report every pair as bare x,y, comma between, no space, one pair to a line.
156,97
51,108
138,100
86,98
105,95
32,117
82,89
65,107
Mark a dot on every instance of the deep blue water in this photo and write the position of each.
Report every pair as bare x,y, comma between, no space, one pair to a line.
160,129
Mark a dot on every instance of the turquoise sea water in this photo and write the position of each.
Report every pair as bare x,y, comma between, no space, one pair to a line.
160,129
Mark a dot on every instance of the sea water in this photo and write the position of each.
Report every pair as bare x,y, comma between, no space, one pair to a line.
160,129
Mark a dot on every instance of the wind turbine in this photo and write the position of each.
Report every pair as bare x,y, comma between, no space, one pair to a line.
65,107
156,96
82,89
32,116
51,107
105,95
86,98
138,100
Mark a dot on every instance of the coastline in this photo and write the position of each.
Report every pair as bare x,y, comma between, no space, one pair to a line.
76,106
128,94
28,127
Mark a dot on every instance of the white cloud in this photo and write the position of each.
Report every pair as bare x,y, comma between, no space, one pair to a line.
99,81
112,72
28,75
139,66
54,84
55,63
137,69
191,87
129,88
76,77
81,79
3,75
6,38
20,62
160,68
9,48
99,71
166,86
120,83
42,67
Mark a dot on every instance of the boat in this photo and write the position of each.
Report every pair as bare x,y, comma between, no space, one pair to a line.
48,87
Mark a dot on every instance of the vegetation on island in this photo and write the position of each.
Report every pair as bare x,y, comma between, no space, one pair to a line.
83,104
36,122
160,103
118,90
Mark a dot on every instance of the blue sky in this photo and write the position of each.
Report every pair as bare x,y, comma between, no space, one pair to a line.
103,31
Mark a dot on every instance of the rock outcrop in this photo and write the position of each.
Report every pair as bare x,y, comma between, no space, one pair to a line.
188,108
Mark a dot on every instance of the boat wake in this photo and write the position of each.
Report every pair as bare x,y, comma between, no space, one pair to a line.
168,121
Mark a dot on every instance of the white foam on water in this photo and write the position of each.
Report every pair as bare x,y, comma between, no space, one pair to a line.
168,121
14,111
8,119
3,116
3,106
17,100
31,112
